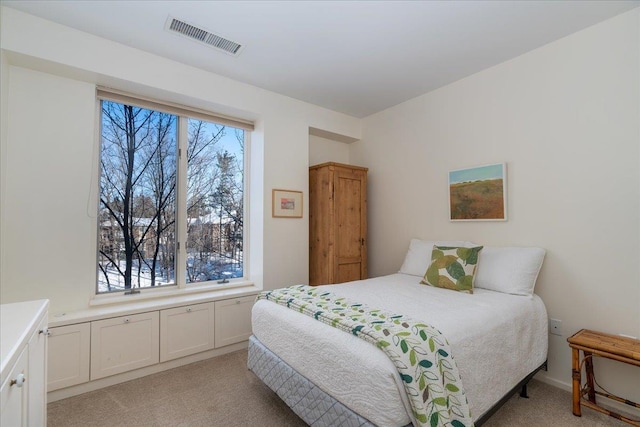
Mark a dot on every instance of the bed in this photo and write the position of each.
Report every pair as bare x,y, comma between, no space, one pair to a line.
498,336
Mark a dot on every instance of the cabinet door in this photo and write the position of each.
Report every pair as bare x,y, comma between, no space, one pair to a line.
13,397
350,225
68,356
233,320
186,330
124,343
38,376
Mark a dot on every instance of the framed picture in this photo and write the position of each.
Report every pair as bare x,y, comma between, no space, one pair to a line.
478,193
286,204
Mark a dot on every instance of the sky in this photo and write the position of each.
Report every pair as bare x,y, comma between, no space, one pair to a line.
479,173
228,141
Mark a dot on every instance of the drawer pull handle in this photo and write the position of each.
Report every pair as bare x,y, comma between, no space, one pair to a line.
237,301
44,331
18,382
189,310
126,320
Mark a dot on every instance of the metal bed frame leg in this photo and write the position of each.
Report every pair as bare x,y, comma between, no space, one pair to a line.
522,385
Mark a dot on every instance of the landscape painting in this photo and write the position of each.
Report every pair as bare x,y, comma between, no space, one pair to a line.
478,193
286,204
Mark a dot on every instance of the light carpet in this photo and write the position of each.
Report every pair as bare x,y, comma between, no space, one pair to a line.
222,392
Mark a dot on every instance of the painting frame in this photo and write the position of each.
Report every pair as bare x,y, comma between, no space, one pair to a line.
286,203
478,193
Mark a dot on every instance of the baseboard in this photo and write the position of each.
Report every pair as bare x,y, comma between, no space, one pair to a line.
609,404
142,372
543,377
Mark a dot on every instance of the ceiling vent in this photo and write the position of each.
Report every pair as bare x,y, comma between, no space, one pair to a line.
203,36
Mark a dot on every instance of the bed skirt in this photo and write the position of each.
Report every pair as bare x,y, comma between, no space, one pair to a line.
313,405
309,402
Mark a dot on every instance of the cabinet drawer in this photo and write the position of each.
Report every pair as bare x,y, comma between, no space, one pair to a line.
13,398
186,330
68,359
124,343
233,320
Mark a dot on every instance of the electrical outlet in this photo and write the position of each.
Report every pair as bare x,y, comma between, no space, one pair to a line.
555,327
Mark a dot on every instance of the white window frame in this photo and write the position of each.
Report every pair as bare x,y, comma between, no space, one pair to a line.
183,114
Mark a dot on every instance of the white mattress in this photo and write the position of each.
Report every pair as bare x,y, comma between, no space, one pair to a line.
497,339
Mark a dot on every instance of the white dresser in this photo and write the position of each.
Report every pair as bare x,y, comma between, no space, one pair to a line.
23,364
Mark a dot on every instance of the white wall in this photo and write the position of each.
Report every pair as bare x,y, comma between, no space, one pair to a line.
48,225
322,150
4,114
49,229
565,118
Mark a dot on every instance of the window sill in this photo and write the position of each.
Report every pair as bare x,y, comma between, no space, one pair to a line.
165,292
104,306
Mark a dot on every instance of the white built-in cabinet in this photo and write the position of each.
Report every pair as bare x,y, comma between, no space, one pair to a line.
121,344
186,330
37,348
13,407
88,351
23,367
68,355
233,320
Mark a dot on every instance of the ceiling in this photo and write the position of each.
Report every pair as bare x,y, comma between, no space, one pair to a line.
355,57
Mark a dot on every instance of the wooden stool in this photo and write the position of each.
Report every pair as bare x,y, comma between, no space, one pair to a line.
592,343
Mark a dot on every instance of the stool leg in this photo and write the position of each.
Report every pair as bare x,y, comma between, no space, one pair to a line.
590,380
577,380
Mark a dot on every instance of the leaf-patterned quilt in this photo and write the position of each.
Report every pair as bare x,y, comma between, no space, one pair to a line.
419,352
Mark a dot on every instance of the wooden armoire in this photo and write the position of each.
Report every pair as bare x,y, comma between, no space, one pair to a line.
337,223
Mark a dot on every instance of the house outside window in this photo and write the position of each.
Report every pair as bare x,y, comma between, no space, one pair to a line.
171,198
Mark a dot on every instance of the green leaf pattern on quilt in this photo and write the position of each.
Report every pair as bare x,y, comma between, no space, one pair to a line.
452,268
419,351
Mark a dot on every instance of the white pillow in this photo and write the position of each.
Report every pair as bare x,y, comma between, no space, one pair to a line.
509,270
418,256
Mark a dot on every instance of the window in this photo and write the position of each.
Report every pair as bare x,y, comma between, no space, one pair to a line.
171,197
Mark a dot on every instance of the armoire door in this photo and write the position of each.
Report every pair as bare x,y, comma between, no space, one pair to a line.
351,228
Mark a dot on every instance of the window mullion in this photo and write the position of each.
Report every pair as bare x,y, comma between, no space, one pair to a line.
181,227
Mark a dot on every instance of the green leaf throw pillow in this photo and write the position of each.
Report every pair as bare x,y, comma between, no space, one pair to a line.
452,268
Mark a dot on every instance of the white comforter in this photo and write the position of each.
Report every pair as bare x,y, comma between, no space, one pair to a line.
496,339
